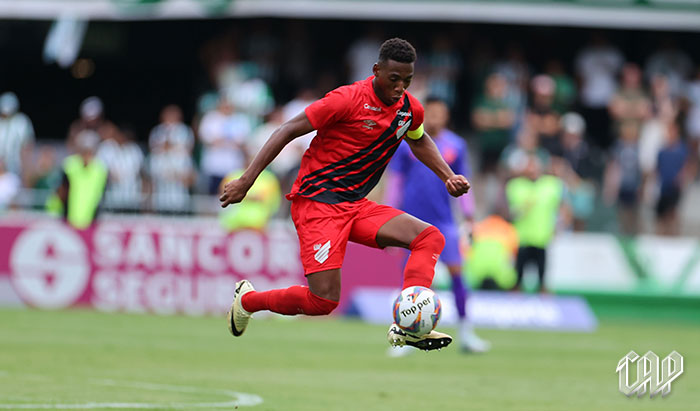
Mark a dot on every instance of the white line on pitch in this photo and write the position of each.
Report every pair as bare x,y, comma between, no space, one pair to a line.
237,398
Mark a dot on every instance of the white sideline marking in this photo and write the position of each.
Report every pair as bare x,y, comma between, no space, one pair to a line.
238,399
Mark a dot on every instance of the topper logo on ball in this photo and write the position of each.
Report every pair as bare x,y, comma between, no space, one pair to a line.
416,307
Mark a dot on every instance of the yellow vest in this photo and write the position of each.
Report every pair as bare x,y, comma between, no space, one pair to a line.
534,206
262,202
86,185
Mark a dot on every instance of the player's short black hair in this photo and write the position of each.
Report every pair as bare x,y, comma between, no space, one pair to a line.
398,50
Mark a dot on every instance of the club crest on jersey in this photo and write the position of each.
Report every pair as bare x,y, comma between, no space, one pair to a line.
369,124
403,127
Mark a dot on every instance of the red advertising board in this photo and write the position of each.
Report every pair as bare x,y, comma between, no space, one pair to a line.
162,265
142,264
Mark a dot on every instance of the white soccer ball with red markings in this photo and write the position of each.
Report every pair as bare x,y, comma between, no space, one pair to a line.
417,310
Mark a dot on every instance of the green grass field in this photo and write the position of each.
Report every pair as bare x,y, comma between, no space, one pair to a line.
88,360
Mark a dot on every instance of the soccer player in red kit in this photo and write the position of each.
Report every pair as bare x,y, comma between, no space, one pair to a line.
359,127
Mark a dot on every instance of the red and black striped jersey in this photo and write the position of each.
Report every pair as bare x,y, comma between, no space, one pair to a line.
356,136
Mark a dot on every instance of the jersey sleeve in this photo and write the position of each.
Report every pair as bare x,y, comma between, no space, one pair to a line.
328,110
415,131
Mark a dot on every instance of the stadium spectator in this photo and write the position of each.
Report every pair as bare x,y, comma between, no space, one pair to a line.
42,174
444,64
672,175
16,136
223,133
415,189
597,66
652,136
260,204
493,119
671,62
125,163
251,97
623,178
515,155
10,185
45,176
516,71
574,148
82,184
171,130
576,165
490,258
171,174
664,105
534,201
564,86
541,116
630,104
91,118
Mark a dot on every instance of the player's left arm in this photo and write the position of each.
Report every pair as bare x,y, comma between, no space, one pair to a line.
425,150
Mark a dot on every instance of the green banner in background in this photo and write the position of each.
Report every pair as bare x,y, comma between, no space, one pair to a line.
645,265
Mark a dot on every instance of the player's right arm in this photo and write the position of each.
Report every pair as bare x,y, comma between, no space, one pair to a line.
235,190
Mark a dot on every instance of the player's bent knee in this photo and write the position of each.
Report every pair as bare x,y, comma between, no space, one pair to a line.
319,305
431,239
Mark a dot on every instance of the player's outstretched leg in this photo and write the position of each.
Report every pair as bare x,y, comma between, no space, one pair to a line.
289,301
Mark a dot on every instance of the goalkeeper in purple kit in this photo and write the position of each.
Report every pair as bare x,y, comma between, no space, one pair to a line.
413,188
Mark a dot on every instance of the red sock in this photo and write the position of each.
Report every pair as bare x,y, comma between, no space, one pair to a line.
425,251
289,301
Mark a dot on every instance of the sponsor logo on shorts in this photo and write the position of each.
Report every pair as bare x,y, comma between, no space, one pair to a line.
322,251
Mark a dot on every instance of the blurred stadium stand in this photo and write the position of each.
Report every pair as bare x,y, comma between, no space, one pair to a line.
139,56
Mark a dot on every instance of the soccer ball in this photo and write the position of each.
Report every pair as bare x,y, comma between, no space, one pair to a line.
417,310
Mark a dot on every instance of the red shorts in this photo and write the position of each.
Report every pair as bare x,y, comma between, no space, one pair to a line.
324,229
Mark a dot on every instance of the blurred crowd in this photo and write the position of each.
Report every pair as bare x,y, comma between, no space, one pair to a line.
617,133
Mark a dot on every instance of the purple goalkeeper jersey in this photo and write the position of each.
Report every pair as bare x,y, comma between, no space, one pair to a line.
423,193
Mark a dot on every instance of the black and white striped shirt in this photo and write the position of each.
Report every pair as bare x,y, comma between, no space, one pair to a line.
15,132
